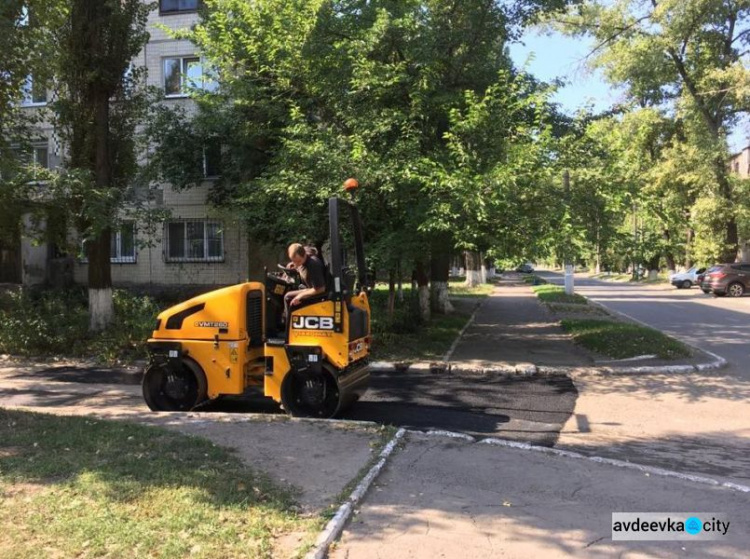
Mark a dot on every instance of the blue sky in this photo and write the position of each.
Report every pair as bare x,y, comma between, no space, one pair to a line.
558,56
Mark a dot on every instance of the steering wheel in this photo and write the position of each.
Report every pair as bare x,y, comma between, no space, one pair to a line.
293,275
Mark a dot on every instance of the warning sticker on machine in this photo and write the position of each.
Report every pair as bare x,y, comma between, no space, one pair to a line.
209,324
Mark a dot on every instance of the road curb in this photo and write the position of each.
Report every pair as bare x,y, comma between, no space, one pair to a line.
529,369
650,470
336,525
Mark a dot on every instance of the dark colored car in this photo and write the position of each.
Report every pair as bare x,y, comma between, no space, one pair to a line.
525,269
727,279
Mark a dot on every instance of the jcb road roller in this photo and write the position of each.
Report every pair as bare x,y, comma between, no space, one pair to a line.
236,339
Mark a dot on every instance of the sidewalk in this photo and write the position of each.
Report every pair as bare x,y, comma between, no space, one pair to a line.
511,328
514,503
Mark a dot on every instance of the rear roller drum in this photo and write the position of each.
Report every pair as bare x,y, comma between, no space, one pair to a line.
311,394
174,388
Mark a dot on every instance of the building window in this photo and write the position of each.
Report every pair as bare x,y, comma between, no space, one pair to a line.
194,241
33,92
212,160
121,245
181,75
35,157
737,167
177,6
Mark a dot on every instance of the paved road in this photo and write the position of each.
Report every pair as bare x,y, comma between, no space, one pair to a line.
532,409
717,324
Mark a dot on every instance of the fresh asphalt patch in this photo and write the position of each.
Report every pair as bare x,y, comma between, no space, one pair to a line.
85,375
530,409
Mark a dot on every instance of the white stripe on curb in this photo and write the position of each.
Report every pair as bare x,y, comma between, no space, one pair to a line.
452,348
598,459
619,463
336,525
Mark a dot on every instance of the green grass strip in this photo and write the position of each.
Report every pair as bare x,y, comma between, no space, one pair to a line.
556,294
80,487
621,340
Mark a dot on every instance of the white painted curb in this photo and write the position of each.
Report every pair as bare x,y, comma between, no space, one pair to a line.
651,470
452,348
336,525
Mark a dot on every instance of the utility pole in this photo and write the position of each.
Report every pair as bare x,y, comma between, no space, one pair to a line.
569,287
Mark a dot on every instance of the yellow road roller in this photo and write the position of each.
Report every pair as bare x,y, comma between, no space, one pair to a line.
236,339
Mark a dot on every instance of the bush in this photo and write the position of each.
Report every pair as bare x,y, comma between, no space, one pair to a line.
55,322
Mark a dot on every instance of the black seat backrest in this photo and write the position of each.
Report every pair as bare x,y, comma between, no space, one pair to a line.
312,252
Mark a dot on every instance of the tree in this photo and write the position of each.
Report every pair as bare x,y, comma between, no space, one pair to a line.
684,57
97,110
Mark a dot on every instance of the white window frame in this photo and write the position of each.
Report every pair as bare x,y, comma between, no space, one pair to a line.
205,85
118,257
27,100
205,166
206,257
176,12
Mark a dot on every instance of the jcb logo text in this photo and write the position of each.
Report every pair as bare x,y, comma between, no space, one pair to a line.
312,322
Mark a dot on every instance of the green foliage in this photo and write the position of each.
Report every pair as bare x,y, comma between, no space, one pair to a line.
418,100
39,323
681,65
622,340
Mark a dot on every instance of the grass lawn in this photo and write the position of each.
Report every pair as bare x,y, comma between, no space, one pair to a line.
621,340
405,338
556,294
79,487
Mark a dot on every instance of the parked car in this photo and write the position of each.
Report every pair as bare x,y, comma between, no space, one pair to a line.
727,279
686,280
525,268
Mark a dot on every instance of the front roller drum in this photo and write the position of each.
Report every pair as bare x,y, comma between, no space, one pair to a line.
177,385
323,393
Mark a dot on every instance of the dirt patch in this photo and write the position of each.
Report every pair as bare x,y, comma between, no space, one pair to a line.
318,458
20,490
9,452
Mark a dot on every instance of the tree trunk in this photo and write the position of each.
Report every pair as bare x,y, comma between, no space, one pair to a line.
668,254
439,268
483,272
400,285
101,307
689,234
653,268
391,293
731,235
423,289
473,271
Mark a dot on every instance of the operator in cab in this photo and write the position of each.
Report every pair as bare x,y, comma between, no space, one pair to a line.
312,272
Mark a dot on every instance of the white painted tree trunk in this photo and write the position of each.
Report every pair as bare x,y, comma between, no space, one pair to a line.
101,308
744,251
424,302
440,298
652,274
483,273
473,269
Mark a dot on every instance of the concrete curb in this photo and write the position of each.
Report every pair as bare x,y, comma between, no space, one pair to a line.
529,369
336,525
449,353
650,470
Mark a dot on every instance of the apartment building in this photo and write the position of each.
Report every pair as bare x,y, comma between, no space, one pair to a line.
739,163
197,244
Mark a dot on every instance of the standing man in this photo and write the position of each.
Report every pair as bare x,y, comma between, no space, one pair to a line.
312,272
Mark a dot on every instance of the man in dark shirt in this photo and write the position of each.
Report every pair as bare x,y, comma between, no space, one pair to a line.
312,272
